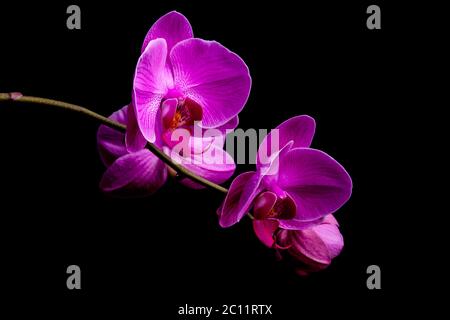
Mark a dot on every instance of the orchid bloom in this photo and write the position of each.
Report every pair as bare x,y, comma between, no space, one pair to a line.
309,250
297,188
180,80
181,84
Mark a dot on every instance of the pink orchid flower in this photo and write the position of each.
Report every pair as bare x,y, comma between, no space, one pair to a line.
180,80
311,249
181,84
297,188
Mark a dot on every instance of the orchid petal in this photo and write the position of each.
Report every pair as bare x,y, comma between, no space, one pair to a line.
212,76
173,27
203,138
239,198
318,183
134,140
230,125
271,167
111,142
199,145
135,174
331,236
293,224
321,243
151,83
215,165
300,130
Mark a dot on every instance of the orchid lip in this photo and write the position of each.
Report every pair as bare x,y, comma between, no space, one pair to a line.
275,243
269,205
179,113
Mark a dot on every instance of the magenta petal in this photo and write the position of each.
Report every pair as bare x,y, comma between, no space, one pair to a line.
212,76
292,224
271,166
330,234
134,140
111,142
151,82
199,145
264,230
173,27
318,183
299,129
307,247
230,125
330,219
321,243
203,138
135,174
243,190
215,165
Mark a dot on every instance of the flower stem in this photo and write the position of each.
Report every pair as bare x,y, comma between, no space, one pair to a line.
182,171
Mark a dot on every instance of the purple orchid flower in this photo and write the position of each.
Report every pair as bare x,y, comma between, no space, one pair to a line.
309,250
181,84
179,80
297,187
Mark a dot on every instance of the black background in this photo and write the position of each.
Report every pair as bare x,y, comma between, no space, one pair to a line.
152,255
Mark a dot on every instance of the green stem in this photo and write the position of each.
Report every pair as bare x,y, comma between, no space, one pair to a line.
117,126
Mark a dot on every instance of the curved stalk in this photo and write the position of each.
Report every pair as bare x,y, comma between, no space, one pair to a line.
15,97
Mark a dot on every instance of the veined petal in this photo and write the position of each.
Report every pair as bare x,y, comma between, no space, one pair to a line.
300,130
135,174
331,236
110,142
203,138
321,243
239,198
173,27
215,165
212,76
134,140
230,125
318,183
330,219
199,145
151,82
271,166
293,224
